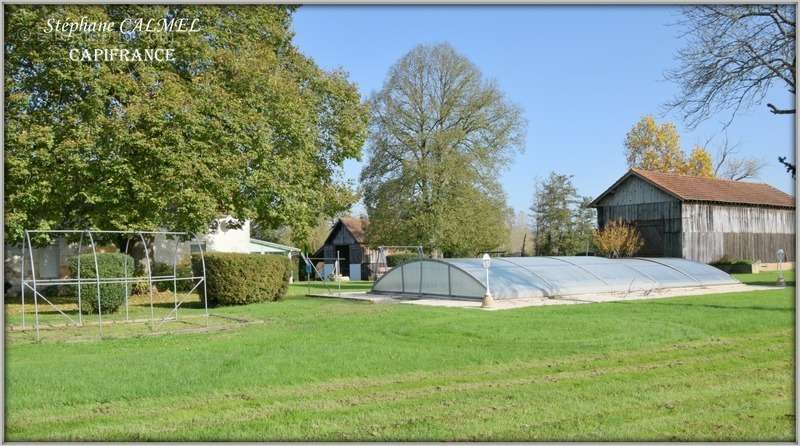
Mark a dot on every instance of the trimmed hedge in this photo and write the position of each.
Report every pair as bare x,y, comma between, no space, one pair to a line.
393,260
239,279
110,264
725,260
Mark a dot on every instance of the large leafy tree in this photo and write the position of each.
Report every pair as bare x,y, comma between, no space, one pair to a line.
241,123
439,136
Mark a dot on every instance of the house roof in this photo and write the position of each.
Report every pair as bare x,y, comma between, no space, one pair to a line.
356,226
691,188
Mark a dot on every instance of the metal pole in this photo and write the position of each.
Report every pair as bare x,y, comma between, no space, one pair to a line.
175,277
33,278
22,284
149,280
127,245
205,289
97,280
338,272
419,257
80,308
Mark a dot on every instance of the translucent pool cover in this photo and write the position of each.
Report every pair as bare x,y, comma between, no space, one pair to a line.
524,277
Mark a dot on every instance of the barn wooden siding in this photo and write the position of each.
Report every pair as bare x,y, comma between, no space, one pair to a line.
699,231
711,231
634,190
655,213
343,237
658,223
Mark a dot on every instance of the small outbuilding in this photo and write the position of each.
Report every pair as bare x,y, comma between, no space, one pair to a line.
699,218
347,239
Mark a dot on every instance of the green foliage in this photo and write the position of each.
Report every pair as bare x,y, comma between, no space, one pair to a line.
434,155
393,260
110,264
236,279
165,269
241,123
140,288
563,222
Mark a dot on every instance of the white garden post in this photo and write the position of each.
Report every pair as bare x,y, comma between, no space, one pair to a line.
488,301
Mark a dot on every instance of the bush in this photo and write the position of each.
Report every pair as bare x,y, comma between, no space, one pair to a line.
237,279
140,288
617,239
165,269
393,260
725,260
112,295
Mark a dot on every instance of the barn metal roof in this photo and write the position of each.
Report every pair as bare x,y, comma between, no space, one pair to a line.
532,277
691,188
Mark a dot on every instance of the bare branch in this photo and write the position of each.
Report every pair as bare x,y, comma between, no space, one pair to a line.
735,54
778,111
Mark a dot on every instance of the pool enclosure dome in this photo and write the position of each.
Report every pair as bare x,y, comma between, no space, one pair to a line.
537,277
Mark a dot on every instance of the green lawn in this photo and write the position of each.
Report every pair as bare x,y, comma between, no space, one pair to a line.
715,367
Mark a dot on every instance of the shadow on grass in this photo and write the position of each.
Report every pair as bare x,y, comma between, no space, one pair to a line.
718,307
56,300
789,283
193,304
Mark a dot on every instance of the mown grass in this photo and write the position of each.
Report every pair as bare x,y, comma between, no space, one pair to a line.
714,367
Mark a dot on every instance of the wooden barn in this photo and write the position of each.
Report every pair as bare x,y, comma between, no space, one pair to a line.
347,238
701,219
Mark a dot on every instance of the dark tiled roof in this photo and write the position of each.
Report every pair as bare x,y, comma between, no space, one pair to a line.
690,188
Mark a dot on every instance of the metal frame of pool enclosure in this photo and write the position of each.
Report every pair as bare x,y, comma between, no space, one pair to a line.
548,277
32,282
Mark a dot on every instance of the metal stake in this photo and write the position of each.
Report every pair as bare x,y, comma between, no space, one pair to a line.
127,244
97,279
149,280
22,285
33,279
80,308
175,277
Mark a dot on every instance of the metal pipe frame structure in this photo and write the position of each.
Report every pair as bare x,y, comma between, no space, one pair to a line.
382,263
33,283
323,279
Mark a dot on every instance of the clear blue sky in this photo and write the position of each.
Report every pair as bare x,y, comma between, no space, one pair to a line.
582,74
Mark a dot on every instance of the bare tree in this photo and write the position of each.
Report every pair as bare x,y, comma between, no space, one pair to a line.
730,167
735,55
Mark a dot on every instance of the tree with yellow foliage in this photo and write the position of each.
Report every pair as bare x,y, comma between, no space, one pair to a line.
617,239
653,146
699,163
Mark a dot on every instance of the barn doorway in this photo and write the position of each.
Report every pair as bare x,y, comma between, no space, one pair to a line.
652,232
344,259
